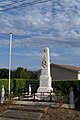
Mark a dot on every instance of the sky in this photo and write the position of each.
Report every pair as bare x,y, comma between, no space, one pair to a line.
36,24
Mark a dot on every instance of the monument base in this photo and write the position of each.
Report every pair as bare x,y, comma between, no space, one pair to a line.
72,106
45,96
44,89
45,84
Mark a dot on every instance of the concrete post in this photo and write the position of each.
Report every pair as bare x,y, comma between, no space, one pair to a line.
2,94
71,99
29,89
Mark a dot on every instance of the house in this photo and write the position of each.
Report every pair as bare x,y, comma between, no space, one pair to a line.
64,72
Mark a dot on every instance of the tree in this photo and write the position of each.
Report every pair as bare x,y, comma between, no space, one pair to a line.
20,73
32,75
4,73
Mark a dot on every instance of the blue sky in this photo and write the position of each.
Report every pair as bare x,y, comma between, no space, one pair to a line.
54,24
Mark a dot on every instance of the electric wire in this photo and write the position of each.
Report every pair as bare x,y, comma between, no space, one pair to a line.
4,6
25,4
4,34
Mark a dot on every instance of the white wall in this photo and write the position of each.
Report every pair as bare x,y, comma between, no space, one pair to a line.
79,75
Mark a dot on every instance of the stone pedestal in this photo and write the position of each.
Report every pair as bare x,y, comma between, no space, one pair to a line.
45,84
45,78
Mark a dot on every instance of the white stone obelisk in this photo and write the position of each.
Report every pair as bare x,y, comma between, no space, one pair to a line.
45,78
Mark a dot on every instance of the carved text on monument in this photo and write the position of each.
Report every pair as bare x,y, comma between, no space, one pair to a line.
44,72
44,83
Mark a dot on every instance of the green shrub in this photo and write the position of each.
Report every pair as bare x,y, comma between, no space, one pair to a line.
64,86
4,82
21,85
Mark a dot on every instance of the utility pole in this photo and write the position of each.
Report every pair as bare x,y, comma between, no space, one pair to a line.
10,61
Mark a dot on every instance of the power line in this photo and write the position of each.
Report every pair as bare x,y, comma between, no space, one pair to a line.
4,6
4,34
35,2
16,35
25,4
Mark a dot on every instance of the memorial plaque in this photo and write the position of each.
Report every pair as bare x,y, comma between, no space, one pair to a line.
43,82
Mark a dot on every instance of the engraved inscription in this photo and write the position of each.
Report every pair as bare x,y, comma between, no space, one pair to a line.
44,83
44,72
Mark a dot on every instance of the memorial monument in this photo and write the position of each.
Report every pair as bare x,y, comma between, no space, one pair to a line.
45,91
45,78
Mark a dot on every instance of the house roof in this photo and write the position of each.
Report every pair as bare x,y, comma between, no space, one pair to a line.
67,67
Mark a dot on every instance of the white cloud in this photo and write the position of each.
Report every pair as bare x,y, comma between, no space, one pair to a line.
4,42
52,24
54,55
34,68
32,20
22,54
29,54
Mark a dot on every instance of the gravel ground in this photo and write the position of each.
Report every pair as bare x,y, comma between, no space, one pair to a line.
5,106
52,113
61,114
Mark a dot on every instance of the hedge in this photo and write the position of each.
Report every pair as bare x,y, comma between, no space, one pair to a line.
21,85
64,86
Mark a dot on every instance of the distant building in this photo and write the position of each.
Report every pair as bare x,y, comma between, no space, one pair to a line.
64,72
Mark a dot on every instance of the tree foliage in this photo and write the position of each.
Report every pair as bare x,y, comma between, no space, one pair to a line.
18,73
4,73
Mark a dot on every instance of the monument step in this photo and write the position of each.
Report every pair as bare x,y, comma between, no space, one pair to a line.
20,114
27,111
3,118
31,108
25,103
